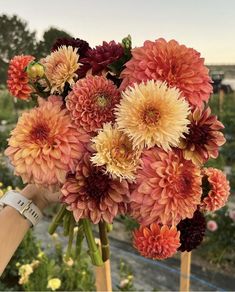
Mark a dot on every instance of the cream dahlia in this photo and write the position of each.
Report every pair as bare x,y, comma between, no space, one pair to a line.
60,67
115,151
216,189
89,193
179,66
44,146
168,188
152,114
204,137
18,81
91,102
156,242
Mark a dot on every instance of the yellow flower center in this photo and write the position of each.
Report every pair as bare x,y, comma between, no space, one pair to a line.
102,101
150,116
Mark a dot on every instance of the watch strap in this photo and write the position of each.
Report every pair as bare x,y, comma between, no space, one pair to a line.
24,206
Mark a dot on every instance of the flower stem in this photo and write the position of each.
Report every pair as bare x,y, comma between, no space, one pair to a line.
93,248
66,222
104,240
79,239
70,242
57,219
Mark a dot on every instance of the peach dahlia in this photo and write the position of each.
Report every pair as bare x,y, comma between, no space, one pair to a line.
91,102
179,66
168,188
44,145
216,189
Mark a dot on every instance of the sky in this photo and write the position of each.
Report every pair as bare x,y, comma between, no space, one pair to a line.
206,25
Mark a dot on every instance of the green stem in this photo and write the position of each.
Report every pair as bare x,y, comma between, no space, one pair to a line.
70,242
79,239
93,248
57,219
104,240
66,222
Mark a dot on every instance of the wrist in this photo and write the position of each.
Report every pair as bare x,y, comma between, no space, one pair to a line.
35,194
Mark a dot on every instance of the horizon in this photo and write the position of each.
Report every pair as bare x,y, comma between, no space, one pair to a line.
207,26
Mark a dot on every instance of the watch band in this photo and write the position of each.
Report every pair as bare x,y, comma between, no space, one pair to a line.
24,206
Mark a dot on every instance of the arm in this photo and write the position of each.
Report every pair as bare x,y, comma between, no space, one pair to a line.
13,226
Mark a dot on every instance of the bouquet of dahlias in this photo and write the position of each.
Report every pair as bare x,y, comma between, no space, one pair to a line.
121,131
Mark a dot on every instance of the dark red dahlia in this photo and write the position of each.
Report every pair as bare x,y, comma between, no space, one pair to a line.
101,56
192,231
82,45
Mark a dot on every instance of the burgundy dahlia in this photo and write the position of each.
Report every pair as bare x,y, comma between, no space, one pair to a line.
101,56
192,231
89,193
81,45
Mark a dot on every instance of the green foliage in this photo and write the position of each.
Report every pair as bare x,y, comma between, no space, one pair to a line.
126,277
49,37
117,66
130,223
15,39
218,246
74,275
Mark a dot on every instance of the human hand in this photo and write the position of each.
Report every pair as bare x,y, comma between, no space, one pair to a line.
40,196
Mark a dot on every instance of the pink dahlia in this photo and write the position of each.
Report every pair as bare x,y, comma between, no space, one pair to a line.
179,66
18,81
212,225
156,242
44,146
92,102
90,193
216,189
168,188
204,137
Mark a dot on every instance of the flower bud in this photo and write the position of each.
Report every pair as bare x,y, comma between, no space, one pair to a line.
35,70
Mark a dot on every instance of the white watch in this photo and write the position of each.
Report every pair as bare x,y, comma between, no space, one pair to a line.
24,206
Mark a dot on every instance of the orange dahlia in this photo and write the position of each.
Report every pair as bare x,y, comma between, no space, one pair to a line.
18,81
204,137
89,193
91,102
216,189
179,66
44,146
168,188
156,242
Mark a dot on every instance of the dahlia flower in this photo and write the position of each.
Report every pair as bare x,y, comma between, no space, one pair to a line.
60,67
44,146
152,114
89,193
204,137
18,81
179,66
192,231
168,188
156,242
82,47
212,225
115,151
91,102
100,57
216,189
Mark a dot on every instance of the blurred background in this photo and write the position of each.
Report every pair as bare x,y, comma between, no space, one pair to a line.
31,27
